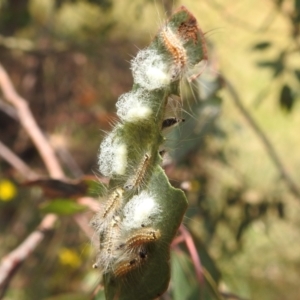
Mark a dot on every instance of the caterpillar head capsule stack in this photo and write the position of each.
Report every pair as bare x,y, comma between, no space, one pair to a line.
143,211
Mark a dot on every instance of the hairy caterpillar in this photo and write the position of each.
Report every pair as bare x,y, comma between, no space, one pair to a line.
125,267
140,238
113,202
138,177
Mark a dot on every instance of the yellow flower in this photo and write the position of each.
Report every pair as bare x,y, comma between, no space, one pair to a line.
69,257
7,190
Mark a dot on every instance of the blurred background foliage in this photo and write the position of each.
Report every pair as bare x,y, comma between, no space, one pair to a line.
70,60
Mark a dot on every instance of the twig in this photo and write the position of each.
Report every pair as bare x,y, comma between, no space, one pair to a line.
30,125
9,110
193,252
91,203
294,189
16,162
212,284
11,262
178,240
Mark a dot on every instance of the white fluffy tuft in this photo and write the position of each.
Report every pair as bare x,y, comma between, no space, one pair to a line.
113,156
120,161
134,106
140,210
150,70
139,112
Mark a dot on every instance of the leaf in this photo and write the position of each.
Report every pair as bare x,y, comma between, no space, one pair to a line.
152,279
100,295
297,74
261,46
280,210
286,99
62,207
211,273
138,264
183,277
60,188
53,188
266,64
276,65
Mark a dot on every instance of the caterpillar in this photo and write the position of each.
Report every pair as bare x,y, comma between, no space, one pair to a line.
137,179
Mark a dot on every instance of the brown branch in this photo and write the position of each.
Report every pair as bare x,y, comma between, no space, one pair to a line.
9,110
11,262
90,202
294,189
16,162
28,122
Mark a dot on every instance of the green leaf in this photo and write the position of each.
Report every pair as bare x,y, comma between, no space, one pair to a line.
297,74
137,268
184,283
262,46
286,99
277,66
62,207
100,296
211,273
152,279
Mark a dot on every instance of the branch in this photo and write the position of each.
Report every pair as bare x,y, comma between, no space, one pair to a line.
294,189
11,262
28,122
9,110
16,162
193,252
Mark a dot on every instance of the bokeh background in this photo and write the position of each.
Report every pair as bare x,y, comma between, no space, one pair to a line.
236,156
